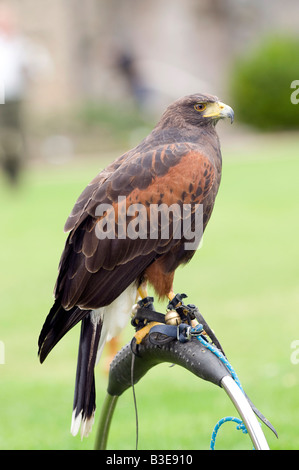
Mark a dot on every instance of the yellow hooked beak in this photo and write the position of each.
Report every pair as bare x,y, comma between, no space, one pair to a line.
219,110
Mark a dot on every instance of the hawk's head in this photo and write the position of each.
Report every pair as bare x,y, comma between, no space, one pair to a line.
196,110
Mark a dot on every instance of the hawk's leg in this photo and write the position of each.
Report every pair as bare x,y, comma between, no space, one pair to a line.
145,302
142,291
171,295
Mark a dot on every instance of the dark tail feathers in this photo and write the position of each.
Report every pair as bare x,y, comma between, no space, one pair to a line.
84,399
58,322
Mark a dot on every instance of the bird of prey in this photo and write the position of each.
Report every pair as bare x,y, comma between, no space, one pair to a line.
178,163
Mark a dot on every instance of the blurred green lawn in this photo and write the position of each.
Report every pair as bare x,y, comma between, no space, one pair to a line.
244,280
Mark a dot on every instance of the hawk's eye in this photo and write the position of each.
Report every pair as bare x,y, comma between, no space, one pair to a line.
200,107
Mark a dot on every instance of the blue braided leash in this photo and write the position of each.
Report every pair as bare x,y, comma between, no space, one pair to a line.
240,426
197,332
183,333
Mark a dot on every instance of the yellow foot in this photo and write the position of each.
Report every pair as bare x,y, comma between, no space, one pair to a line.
141,334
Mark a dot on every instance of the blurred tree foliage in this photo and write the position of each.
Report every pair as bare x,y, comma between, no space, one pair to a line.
261,85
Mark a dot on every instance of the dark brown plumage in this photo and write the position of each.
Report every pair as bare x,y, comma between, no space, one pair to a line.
178,163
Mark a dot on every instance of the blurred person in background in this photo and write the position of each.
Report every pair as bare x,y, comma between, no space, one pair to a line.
20,62
140,91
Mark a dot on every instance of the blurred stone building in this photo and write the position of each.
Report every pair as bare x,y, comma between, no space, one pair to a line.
107,49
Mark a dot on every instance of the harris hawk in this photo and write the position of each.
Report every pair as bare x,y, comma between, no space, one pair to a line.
100,277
